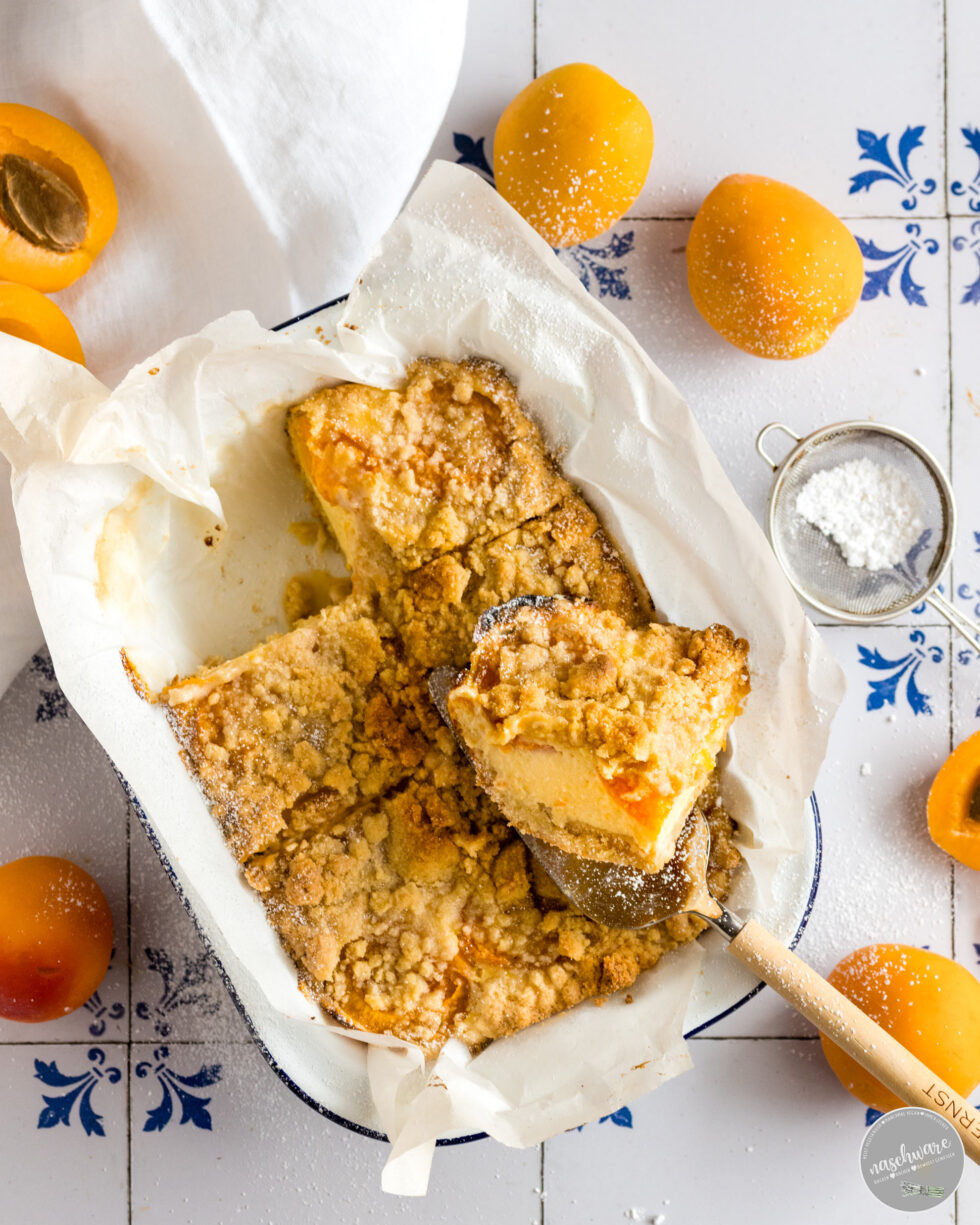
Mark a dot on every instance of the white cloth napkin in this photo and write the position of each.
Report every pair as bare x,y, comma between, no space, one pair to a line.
258,148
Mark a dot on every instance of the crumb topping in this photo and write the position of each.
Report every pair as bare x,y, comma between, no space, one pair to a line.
566,672
564,552
405,476
408,904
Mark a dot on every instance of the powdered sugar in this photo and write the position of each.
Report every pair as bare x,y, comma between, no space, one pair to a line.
871,511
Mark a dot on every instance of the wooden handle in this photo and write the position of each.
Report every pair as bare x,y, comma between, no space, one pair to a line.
873,1047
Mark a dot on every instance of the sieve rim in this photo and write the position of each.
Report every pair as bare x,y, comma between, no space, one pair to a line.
781,471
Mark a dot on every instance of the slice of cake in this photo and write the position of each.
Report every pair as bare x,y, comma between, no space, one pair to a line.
564,552
405,476
329,710
594,736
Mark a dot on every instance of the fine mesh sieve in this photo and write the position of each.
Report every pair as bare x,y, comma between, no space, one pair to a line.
813,562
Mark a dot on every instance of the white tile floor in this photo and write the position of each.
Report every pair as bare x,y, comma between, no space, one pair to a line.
196,1127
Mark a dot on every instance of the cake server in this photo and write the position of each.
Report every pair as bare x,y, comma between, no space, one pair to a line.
620,896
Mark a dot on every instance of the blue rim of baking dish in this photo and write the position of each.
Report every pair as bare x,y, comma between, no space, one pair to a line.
286,1079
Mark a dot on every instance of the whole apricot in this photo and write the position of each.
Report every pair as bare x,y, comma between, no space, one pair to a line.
571,153
55,937
954,804
929,1003
770,268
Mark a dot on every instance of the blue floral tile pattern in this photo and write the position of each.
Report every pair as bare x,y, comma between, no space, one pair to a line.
102,1013
623,1117
53,703
971,595
875,149
193,1109
190,988
58,1107
965,658
971,292
971,189
886,689
471,153
878,280
592,266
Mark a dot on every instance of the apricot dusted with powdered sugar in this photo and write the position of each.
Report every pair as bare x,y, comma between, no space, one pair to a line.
929,1003
55,937
571,153
770,268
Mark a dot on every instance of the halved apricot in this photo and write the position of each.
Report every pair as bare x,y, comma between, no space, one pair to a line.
929,1003
55,937
57,202
954,804
770,268
571,152
26,313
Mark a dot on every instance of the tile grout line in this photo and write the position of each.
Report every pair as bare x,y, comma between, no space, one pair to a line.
534,73
950,430
949,438
541,1191
129,1035
856,217
7,1042
754,1038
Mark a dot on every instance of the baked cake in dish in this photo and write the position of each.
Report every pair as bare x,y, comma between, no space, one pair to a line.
330,710
405,476
593,736
408,903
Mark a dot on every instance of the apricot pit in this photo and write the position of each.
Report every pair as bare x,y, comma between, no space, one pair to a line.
58,205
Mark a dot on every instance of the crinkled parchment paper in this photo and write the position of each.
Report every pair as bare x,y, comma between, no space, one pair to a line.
156,518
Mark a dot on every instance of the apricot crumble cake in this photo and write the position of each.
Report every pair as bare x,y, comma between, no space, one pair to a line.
408,903
405,476
593,736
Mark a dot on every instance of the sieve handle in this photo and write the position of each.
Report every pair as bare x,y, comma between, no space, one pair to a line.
958,620
853,1030
764,433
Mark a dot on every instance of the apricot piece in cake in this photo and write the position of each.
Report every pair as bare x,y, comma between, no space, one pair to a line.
572,151
405,476
929,1003
770,268
594,736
